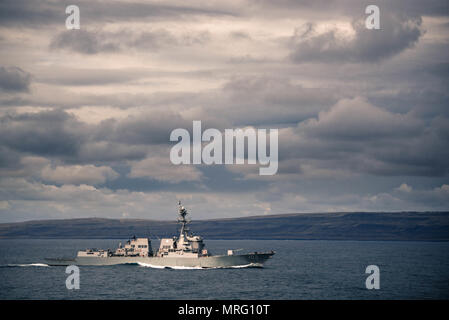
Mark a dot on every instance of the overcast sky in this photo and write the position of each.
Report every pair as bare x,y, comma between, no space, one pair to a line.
86,115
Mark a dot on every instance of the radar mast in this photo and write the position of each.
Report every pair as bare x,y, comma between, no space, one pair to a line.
182,219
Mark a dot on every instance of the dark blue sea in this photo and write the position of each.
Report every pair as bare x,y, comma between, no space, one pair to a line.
299,270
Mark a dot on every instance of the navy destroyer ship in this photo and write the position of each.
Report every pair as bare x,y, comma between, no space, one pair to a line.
185,251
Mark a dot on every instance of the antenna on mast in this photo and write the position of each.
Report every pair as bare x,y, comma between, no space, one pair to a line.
182,213
182,218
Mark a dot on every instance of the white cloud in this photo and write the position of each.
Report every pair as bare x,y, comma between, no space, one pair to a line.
443,190
404,188
78,174
160,168
356,119
4,205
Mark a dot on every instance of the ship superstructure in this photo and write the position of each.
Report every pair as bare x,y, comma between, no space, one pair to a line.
187,250
186,245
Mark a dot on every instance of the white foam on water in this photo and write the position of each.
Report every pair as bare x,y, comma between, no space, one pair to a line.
148,265
251,265
28,265
187,268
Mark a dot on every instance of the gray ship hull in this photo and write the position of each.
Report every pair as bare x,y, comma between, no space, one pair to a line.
241,260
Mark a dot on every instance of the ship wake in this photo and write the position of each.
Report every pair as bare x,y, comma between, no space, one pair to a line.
25,265
148,265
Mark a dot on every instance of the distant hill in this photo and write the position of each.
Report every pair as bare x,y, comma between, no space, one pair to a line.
433,226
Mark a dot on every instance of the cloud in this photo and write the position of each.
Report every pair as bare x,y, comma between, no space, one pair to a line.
69,201
265,99
46,12
23,165
14,79
358,137
397,33
77,174
437,197
86,201
106,151
328,9
8,159
20,12
57,134
404,188
4,205
155,39
153,128
357,120
43,133
84,127
66,76
99,41
161,169
83,41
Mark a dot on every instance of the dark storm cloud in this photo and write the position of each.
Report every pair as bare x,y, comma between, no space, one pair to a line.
25,13
44,133
359,137
439,69
44,12
397,34
14,79
107,152
424,102
8,159
59,135
56,134
154,128
418,7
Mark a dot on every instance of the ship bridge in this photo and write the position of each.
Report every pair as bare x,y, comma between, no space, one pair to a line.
187,245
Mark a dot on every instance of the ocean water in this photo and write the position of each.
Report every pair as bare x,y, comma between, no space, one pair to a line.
298,270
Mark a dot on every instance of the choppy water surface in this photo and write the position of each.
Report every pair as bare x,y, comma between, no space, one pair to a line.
299,270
